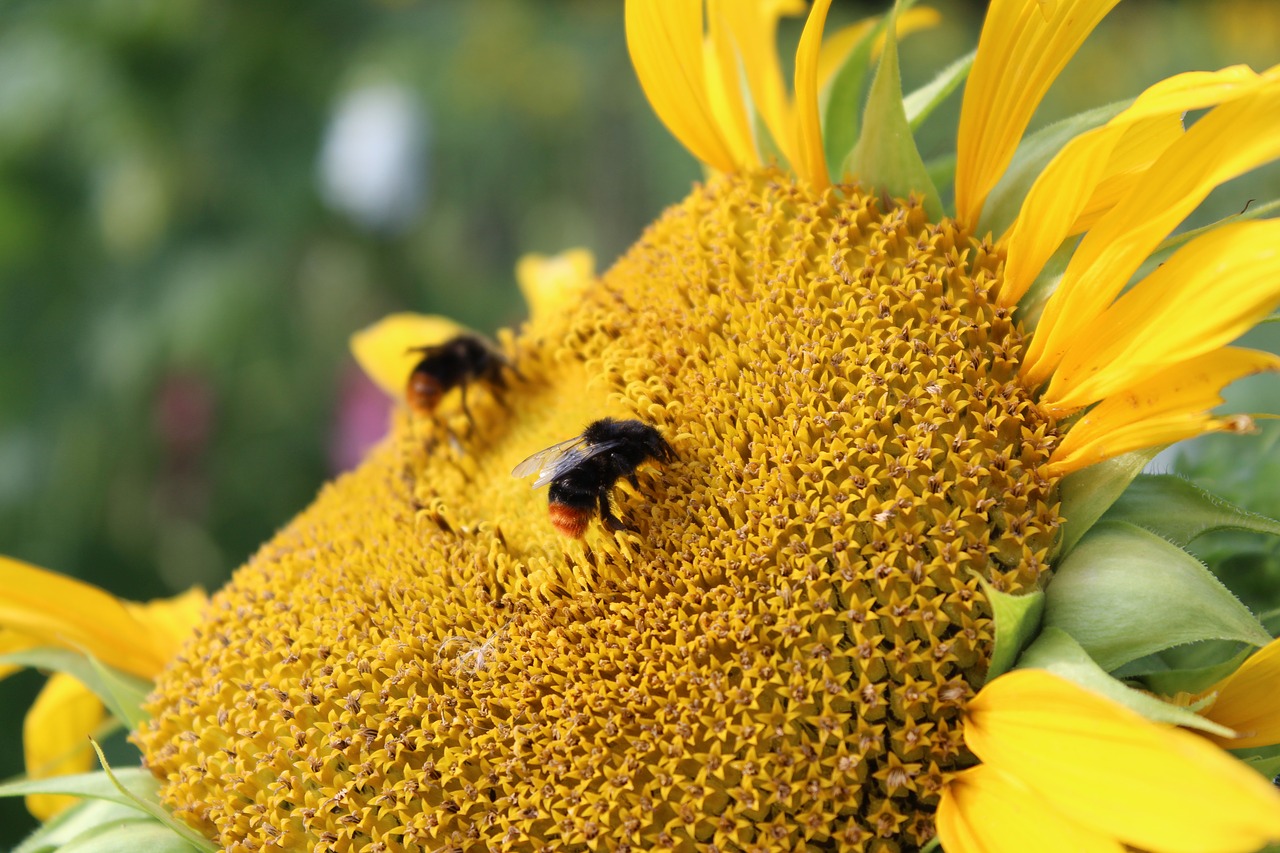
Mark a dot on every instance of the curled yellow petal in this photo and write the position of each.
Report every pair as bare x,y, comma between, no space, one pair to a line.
811,162
384,350
1231,139
60,611
1168,406
552,283
665,43
1096,170
1146,784
55,738
984,810
1023,46
1206,295
1248,701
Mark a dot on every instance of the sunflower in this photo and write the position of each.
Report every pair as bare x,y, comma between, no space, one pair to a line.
890,587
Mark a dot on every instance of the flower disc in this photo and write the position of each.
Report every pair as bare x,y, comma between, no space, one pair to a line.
778,656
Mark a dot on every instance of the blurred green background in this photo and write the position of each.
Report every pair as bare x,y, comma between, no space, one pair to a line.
200,202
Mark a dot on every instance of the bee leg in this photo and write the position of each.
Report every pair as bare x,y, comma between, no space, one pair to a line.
471,422
634,481
501,398
610,520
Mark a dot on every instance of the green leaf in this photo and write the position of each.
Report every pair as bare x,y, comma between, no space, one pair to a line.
141,836
1088,493
844,98
923,101
1171,682
123,694
886,158
1017,618
99,786
1054,650
84,817
1124,593
1179,511
1032,157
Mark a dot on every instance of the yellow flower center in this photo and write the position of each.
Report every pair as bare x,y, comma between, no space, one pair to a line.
779,655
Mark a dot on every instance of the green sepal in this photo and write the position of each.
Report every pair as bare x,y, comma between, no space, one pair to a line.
1179,511
886,159
1177,241
1033,155
135,836
840,119
923,101
1017,619
150,803
97,786
1088,493
1124,593
1054,650
86,816
1266,761
1171,682
1031,305
122,693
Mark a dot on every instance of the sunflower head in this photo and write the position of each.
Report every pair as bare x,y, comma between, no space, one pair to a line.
776,643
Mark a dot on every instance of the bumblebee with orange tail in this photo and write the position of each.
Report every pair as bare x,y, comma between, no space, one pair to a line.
583,470
453,364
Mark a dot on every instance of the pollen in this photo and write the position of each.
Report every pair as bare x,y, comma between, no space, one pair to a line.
777,656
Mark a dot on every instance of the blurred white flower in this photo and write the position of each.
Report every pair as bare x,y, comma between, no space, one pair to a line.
373,163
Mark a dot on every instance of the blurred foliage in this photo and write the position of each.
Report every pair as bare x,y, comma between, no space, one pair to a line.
177,295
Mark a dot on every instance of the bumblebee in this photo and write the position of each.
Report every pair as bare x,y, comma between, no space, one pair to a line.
456,363
583,470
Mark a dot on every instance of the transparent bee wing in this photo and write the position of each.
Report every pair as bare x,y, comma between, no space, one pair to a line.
559,458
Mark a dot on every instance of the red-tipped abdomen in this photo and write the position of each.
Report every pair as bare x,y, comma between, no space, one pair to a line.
568,520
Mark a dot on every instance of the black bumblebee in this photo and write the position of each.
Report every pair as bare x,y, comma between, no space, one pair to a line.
583,470
455,363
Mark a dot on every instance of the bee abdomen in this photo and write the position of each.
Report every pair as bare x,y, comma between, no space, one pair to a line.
569,520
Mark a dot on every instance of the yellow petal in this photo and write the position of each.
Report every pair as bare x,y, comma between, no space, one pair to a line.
754,26
1094,171
60,611
811,165
1206,295
1228,141
1248,701
1170,406
1023,46
55,738
724,90
553,283
170,620
984,810
665,42
1149,785
385,350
